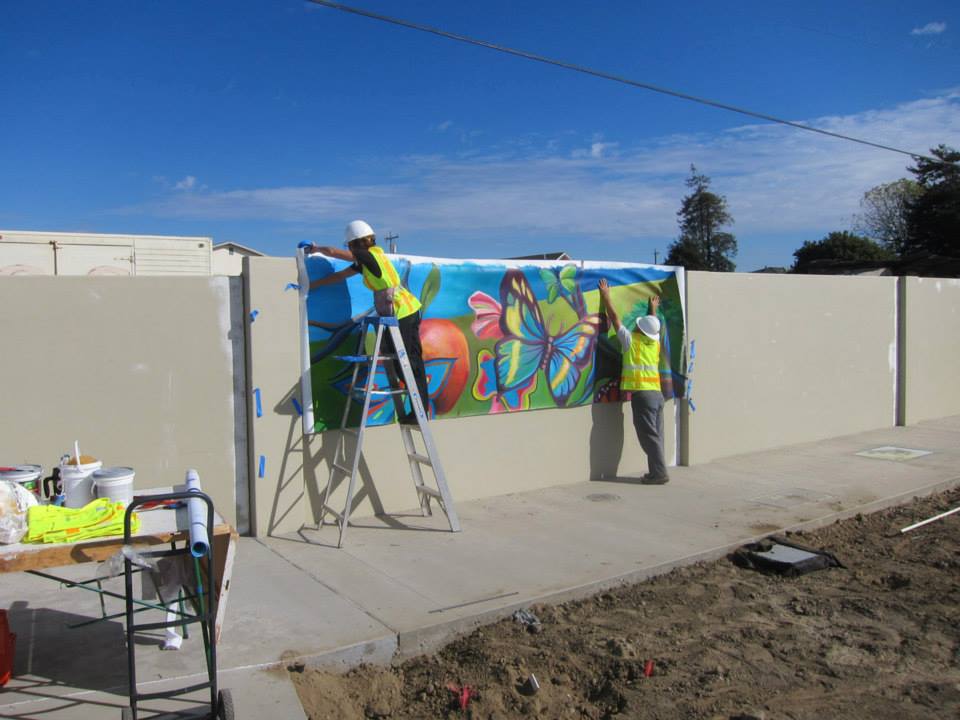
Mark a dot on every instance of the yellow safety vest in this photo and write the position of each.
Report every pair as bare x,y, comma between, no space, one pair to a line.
641,364
404,303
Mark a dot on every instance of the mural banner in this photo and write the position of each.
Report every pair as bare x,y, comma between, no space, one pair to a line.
498,335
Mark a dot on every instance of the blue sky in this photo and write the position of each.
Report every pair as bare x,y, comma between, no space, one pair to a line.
267,122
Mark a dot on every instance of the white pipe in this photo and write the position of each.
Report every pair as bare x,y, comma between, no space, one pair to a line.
197,509
930,520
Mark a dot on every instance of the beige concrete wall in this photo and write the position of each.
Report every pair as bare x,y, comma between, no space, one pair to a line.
931,348
788,359
139,370
482,456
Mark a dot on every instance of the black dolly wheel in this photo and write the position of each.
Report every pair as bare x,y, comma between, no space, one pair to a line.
225,706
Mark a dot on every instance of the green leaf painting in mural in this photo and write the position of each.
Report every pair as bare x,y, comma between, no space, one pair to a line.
431,286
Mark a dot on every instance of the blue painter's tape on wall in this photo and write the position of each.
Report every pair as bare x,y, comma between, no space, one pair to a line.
256,395
296,406
253,315
291,286
693,408
693,349
263,466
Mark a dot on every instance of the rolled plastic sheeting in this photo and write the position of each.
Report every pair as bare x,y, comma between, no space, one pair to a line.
197,509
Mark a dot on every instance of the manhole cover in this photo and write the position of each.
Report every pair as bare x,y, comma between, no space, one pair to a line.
888,452
602,497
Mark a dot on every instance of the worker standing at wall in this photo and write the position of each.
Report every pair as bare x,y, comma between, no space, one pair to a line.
390,298
641,376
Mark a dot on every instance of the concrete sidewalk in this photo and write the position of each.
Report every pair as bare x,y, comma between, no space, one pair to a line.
403,585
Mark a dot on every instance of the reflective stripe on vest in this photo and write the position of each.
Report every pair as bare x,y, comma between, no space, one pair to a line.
641,364
404,303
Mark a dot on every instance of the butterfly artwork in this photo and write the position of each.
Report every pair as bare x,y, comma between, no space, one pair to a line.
562,283
527,346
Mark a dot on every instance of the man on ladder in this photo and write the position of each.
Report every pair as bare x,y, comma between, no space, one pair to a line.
390,298
398,322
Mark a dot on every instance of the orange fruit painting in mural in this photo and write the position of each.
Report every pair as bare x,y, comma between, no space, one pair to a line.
443,339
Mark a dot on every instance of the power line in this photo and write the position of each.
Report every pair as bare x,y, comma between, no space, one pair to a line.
615,78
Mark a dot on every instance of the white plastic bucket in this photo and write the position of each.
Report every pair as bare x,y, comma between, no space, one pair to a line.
26,475
115,483
78,483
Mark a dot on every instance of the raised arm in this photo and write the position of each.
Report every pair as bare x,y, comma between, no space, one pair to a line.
654,305
605,297
331,251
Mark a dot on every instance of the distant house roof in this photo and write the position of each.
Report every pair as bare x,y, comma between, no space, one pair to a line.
771,269
919,264
237,247
544,256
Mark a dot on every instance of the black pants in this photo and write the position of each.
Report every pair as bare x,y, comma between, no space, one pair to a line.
410,334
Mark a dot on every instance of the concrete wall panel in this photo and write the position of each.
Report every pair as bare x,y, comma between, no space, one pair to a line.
931,348
788,359
139,370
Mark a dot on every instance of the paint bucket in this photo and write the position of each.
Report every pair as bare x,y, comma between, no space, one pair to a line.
27,475
78,480
115,483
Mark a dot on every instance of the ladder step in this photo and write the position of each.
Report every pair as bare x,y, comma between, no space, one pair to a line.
360,392
337,515
365,358
429,491
342,468
422,459
350,431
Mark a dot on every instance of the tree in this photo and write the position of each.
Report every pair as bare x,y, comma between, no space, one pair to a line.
885,210
702,244
934,216
838,246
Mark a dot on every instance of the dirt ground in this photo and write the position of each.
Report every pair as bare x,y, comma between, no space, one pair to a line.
878,638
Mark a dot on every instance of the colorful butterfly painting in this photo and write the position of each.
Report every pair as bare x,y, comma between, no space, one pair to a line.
562,283
527,346
485,387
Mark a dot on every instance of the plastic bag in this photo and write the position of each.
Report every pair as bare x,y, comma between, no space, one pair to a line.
14,502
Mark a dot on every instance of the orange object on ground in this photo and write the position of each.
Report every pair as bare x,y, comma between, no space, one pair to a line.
8,643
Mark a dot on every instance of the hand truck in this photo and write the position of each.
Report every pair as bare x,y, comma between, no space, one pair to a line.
202,599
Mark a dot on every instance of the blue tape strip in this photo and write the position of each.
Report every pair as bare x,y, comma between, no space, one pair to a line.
693,349
296,406
253,315
263,466
256,396
291,286
693,408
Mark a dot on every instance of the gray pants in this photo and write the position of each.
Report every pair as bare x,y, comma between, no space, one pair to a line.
647,408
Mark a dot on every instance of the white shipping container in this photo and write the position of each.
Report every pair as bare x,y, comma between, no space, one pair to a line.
57,253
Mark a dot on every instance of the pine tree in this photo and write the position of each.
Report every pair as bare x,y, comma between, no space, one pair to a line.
702,244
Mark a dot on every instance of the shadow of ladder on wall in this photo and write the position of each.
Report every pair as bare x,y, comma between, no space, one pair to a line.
348,467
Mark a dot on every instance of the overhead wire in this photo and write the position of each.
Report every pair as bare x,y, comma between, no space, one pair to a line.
615,78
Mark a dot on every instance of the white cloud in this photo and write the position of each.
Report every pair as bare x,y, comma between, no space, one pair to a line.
777,180
188,183
931,28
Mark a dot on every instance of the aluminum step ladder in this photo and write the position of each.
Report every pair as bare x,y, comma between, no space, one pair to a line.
342,466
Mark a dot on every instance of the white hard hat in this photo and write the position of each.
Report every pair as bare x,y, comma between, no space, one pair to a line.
356,230
649,325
